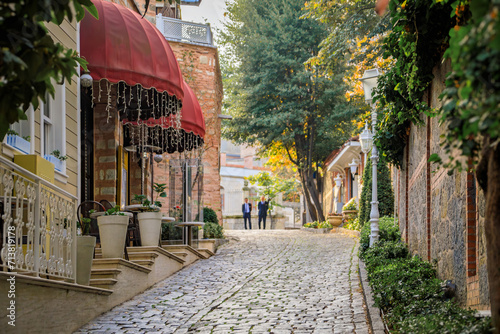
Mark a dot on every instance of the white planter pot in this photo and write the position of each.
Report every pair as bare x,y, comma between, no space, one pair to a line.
58,164
112,230
150,227
20,143
84,253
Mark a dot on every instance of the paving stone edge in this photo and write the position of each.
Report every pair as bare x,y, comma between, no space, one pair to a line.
374,318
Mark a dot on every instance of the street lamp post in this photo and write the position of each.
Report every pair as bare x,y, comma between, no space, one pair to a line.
369,81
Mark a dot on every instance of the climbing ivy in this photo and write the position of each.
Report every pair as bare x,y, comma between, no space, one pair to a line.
471,98
417,41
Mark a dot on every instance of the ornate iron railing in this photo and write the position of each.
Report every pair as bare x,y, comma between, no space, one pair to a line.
183,31
38,225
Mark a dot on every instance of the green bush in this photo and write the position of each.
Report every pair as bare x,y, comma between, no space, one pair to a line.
209,216
351,205
352,224
213,231
433,316
311,225
385,193
325,224
170,232
408,290
388,231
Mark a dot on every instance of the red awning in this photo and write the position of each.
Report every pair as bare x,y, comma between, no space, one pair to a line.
122,46
192,119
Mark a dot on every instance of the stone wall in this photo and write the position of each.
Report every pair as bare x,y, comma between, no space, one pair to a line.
441,216
200,68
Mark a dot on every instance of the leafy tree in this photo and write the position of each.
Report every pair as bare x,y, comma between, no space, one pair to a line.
354,31
275,98
30,60
384,187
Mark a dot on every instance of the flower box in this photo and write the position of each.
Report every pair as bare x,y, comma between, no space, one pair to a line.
58,164
19,143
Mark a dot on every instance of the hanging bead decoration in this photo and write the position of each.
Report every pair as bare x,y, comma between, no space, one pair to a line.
108,105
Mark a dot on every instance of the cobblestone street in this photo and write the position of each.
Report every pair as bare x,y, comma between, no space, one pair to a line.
261,282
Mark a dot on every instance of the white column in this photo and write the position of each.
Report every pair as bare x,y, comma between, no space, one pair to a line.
374,213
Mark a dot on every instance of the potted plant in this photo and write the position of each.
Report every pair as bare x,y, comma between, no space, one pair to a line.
335,219
150,216
350,209
57,159
85,244
113,230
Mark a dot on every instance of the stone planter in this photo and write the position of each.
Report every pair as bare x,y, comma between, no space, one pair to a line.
350,214
150,227
113,230
335,220
84,254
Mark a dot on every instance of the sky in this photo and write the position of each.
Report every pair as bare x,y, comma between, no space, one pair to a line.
209,11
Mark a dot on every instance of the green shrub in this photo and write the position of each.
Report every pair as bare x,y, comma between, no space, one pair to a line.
403,280
409,292
388,231
325,224
213,231
209,216
351,205
170,232
352,224
311,225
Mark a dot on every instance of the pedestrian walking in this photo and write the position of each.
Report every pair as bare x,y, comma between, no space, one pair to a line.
247,212
263,207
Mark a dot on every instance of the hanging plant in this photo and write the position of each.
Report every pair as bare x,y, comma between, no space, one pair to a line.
417,41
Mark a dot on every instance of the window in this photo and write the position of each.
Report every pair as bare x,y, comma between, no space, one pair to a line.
53,126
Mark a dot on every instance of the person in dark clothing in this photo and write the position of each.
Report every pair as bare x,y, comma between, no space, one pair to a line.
263,207
246,208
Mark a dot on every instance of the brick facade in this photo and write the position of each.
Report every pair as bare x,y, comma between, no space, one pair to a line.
200,68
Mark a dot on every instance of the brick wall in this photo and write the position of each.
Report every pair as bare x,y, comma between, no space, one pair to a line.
200,68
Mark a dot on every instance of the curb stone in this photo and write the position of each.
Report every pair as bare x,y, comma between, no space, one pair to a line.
374,319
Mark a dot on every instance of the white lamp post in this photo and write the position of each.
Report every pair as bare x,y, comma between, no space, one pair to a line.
369,81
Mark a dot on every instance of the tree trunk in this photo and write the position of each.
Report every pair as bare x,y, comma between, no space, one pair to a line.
488,176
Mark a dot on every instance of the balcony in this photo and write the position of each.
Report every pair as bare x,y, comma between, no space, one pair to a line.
37,225
183,31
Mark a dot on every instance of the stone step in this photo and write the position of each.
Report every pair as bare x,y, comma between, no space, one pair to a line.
182,255
207,252
104,273
144,263
103,283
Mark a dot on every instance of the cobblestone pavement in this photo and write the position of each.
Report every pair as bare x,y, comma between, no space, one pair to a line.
261,282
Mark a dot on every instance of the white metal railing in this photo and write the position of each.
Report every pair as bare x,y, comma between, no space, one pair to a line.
183,31
38,223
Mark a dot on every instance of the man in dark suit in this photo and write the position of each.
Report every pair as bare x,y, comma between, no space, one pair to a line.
247,211
263,206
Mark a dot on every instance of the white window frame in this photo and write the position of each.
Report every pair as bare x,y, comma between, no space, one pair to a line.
57,120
